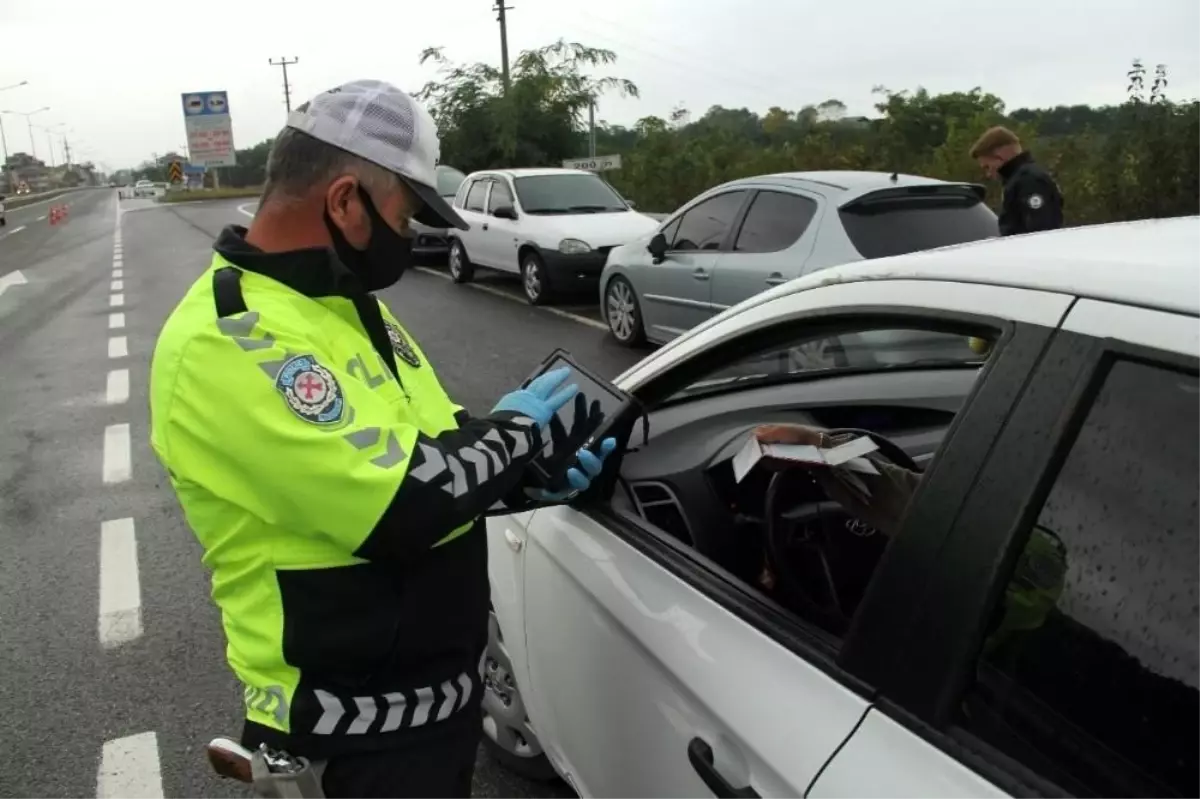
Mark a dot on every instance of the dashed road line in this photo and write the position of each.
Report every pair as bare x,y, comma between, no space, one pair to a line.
118,347
12,232
117,285
116,321
116,300
117,466
120,618
118,273
116,391
129,767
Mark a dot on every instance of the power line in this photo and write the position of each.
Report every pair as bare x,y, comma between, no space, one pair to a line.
287,92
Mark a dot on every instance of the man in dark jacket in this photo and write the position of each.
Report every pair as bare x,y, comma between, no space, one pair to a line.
1032,201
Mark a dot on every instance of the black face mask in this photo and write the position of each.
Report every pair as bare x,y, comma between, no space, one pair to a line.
387,256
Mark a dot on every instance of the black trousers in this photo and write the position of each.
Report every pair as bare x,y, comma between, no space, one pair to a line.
441,764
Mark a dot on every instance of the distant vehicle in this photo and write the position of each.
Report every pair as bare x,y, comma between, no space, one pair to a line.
554,227
743,237
23,188
143,188
433,242
3,218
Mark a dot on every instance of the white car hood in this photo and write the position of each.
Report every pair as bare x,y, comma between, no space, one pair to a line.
598,230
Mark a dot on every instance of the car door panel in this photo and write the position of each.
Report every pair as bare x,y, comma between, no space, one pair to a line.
885,758
500,236
677,291
742,273
472,212
652,663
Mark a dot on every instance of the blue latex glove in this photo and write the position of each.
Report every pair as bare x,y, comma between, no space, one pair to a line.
580,479
538,400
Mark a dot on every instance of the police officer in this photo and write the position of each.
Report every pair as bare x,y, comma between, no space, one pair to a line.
1032,201
335,487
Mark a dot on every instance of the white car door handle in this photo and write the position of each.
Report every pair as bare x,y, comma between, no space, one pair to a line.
700,274
775,278
513,540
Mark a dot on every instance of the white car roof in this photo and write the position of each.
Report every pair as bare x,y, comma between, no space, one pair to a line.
532,173
1152,263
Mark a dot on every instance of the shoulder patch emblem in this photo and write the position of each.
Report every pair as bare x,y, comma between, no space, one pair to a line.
311,390
400,345
1035,201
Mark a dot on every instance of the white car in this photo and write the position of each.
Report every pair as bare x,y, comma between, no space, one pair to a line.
554,227
1030,630
143,188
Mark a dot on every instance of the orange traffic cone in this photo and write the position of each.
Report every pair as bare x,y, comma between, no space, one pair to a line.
54,215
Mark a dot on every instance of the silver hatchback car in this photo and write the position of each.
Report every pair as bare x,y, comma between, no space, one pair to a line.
743,237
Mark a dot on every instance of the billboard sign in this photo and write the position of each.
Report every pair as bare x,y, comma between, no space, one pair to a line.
209,128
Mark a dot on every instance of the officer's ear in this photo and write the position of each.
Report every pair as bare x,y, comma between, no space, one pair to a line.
345,208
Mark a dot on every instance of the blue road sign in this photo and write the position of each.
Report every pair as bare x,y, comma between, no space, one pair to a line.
205,104
193,169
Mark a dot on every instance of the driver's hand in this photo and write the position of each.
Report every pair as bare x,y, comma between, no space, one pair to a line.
890,490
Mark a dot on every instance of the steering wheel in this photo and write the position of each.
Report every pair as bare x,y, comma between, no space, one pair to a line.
816,589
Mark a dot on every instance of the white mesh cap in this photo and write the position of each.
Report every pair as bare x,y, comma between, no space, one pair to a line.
384,125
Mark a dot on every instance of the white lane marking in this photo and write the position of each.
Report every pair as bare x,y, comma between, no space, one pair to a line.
117,462
117,390
118,273
117,285
12,232
583,320
118,347
129,767
242,209
116,321
13,278
116,300
117,261
120,595
41,218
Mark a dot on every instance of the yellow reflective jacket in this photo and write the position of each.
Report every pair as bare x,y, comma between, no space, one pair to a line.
333,486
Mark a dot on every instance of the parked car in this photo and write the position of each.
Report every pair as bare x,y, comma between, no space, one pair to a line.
143,188
675,632
433,242
743,237
554,227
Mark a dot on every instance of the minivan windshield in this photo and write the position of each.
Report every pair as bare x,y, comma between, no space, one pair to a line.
901,228
567,193
448,180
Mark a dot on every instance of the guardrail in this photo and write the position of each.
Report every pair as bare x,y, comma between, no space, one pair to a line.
14,201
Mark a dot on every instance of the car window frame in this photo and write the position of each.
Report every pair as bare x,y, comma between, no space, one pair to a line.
749,206
987,535
512,197
734,225
1013,357
485,180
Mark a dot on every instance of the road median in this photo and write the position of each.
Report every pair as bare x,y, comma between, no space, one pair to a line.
209,194
14,201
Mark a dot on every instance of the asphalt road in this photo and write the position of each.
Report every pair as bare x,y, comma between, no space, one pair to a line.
112,672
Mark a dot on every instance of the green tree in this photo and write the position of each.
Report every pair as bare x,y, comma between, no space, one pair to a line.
538,121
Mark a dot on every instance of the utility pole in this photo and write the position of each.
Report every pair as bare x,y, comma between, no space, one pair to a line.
500,8
287,91
592,128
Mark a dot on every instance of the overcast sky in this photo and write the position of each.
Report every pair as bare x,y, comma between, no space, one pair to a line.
113,78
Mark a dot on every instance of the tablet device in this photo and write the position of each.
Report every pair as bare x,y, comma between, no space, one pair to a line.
615,405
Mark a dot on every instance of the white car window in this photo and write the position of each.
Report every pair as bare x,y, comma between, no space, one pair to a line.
860,350
500,196
476,195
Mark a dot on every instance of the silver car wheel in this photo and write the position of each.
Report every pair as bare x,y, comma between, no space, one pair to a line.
456,258
504,717
621,310
533,279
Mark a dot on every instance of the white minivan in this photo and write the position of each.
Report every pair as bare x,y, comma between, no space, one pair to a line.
554,227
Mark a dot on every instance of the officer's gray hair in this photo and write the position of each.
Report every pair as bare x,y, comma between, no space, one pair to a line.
297,163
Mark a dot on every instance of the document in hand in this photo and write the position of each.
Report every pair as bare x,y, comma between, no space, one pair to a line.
848,456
